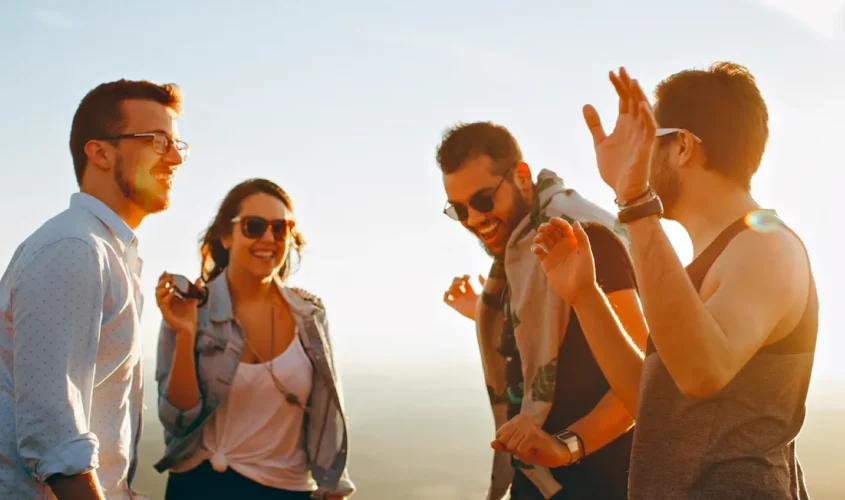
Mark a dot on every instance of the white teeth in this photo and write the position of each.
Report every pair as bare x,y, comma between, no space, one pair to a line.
264,254
488,229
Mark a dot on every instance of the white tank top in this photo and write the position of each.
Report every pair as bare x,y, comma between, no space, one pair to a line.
255,431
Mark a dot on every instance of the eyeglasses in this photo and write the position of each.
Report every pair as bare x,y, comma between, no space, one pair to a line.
161,142
253,227
666,131
482,202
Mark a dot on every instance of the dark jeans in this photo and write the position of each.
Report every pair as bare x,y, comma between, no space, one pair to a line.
203,482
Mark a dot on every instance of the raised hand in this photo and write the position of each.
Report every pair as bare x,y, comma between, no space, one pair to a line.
180,314
565,254
462,297
624,156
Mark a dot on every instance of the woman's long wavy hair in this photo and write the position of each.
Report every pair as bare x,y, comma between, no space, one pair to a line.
214,256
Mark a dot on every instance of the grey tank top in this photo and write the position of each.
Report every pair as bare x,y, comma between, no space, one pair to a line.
738,443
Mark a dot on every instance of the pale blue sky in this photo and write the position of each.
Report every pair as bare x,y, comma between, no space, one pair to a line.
343,106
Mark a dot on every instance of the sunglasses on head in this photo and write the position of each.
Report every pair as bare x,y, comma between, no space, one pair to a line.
253,227
481,202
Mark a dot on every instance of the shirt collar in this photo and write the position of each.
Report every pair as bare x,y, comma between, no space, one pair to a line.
220,300
118,227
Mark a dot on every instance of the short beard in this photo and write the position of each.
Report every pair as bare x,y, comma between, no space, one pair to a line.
521,209
667,185
123,184
146,201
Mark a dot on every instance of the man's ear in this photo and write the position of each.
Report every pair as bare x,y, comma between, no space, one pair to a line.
686,149
99,154
523,180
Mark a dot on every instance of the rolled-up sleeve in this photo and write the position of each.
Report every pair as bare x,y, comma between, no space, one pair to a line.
57,306
174,420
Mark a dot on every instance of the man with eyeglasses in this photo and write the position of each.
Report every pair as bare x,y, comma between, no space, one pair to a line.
70,303
551,403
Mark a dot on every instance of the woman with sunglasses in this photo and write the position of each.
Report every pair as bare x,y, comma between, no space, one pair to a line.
248,393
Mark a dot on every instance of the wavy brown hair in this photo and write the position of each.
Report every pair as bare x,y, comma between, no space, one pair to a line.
214,257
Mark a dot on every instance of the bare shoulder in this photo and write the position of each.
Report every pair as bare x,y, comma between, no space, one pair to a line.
770,262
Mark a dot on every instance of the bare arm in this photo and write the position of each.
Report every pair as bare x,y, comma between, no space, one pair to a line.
620,359
79,487
182,387
179,402
705,341
613,416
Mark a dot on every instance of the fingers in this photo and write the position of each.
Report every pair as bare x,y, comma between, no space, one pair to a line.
164,288
482,279
649,122
581,237
632,106
526,447
516,441
621,91
591,116
460,286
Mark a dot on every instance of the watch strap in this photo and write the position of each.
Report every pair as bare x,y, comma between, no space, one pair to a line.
574,443
653,206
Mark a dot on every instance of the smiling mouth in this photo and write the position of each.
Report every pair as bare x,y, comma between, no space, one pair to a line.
264,255
164,177
487,231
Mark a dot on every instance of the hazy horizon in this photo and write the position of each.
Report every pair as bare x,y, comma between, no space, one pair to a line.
427,436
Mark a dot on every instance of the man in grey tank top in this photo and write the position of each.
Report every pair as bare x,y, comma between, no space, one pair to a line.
719,395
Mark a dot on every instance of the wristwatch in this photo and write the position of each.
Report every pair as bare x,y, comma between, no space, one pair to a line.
573,443
650,206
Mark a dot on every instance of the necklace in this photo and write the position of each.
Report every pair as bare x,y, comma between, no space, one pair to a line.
289,396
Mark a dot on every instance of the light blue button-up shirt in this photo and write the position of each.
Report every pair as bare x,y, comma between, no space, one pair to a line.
70,354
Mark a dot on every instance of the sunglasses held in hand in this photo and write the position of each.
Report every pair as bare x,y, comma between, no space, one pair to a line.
184,289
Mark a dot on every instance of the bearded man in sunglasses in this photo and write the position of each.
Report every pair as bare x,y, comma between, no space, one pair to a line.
550,400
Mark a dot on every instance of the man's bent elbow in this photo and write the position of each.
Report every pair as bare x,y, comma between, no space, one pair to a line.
78,455
702,385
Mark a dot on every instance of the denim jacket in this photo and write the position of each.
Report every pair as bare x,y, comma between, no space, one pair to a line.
219,344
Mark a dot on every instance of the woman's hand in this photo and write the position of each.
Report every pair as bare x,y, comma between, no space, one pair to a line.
180,314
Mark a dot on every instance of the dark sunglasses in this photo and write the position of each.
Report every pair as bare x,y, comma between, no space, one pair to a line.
254,227
184,289
482,202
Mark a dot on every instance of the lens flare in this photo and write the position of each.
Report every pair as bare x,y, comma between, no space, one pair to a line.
763,220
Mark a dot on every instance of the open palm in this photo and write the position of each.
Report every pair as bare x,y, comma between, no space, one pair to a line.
565,254
623,157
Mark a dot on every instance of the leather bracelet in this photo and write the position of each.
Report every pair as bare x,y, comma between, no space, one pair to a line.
627,203
651,207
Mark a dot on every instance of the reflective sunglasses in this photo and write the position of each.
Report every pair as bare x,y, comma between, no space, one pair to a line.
481,202
253,227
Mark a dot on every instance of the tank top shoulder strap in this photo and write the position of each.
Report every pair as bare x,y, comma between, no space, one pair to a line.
698,268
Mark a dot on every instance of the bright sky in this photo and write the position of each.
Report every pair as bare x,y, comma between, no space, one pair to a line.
343,106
